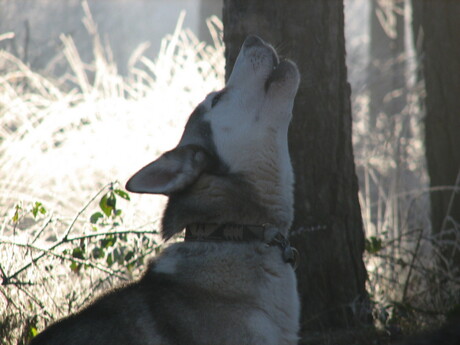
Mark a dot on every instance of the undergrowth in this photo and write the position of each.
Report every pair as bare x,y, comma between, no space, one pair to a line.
64,137
412,284
45,282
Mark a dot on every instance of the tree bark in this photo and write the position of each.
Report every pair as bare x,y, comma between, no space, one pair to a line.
327,228
437,28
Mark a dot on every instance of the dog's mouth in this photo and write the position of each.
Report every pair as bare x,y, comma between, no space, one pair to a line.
278,71
275,59
279,67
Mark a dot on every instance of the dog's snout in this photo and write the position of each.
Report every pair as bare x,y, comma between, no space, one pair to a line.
253,40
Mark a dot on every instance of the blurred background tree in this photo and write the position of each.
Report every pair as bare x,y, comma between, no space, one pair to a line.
437,38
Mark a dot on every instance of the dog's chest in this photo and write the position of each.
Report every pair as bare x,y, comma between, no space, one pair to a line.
279,302
246,293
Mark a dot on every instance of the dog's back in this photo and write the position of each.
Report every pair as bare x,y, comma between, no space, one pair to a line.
229,183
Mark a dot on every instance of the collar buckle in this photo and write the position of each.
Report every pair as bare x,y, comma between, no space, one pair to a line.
290,254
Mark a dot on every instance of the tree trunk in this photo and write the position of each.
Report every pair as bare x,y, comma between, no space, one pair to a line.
437,28
327,228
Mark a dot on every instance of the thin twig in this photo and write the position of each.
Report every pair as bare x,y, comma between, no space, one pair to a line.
39,303
411,266
48,222
451,200
2,290
64,237
119,232
63,257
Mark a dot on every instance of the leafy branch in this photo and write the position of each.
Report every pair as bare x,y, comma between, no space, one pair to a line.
79,256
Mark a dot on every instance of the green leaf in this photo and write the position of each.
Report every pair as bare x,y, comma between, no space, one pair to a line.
373,245
108,241
109,259
38,208
112,201
32,331
104,206
95,217
118,255
16,215
122,194
98,253
78,253
75,267
129,255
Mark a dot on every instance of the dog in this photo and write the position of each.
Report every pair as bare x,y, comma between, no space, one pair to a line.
230,186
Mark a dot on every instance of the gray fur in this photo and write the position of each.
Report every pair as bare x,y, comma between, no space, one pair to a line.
230,166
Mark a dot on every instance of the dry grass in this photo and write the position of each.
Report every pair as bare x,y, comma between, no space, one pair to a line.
411,283
92,125
64,138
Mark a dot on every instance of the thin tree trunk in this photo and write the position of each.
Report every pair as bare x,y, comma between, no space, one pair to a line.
327,228
437,28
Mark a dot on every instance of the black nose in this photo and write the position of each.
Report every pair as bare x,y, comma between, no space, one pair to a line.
253,40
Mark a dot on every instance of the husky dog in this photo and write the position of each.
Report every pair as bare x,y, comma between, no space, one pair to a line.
230,186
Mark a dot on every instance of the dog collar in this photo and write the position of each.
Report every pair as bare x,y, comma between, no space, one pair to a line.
214,232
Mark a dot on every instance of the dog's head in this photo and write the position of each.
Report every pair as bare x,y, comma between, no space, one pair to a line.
234,150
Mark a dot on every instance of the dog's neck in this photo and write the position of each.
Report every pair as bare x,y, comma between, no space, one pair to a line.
225,232
218,199
267,234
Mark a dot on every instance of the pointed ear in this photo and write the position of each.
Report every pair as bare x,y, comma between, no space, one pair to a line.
172,172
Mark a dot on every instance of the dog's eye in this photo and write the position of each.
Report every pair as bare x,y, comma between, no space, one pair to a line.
216,99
